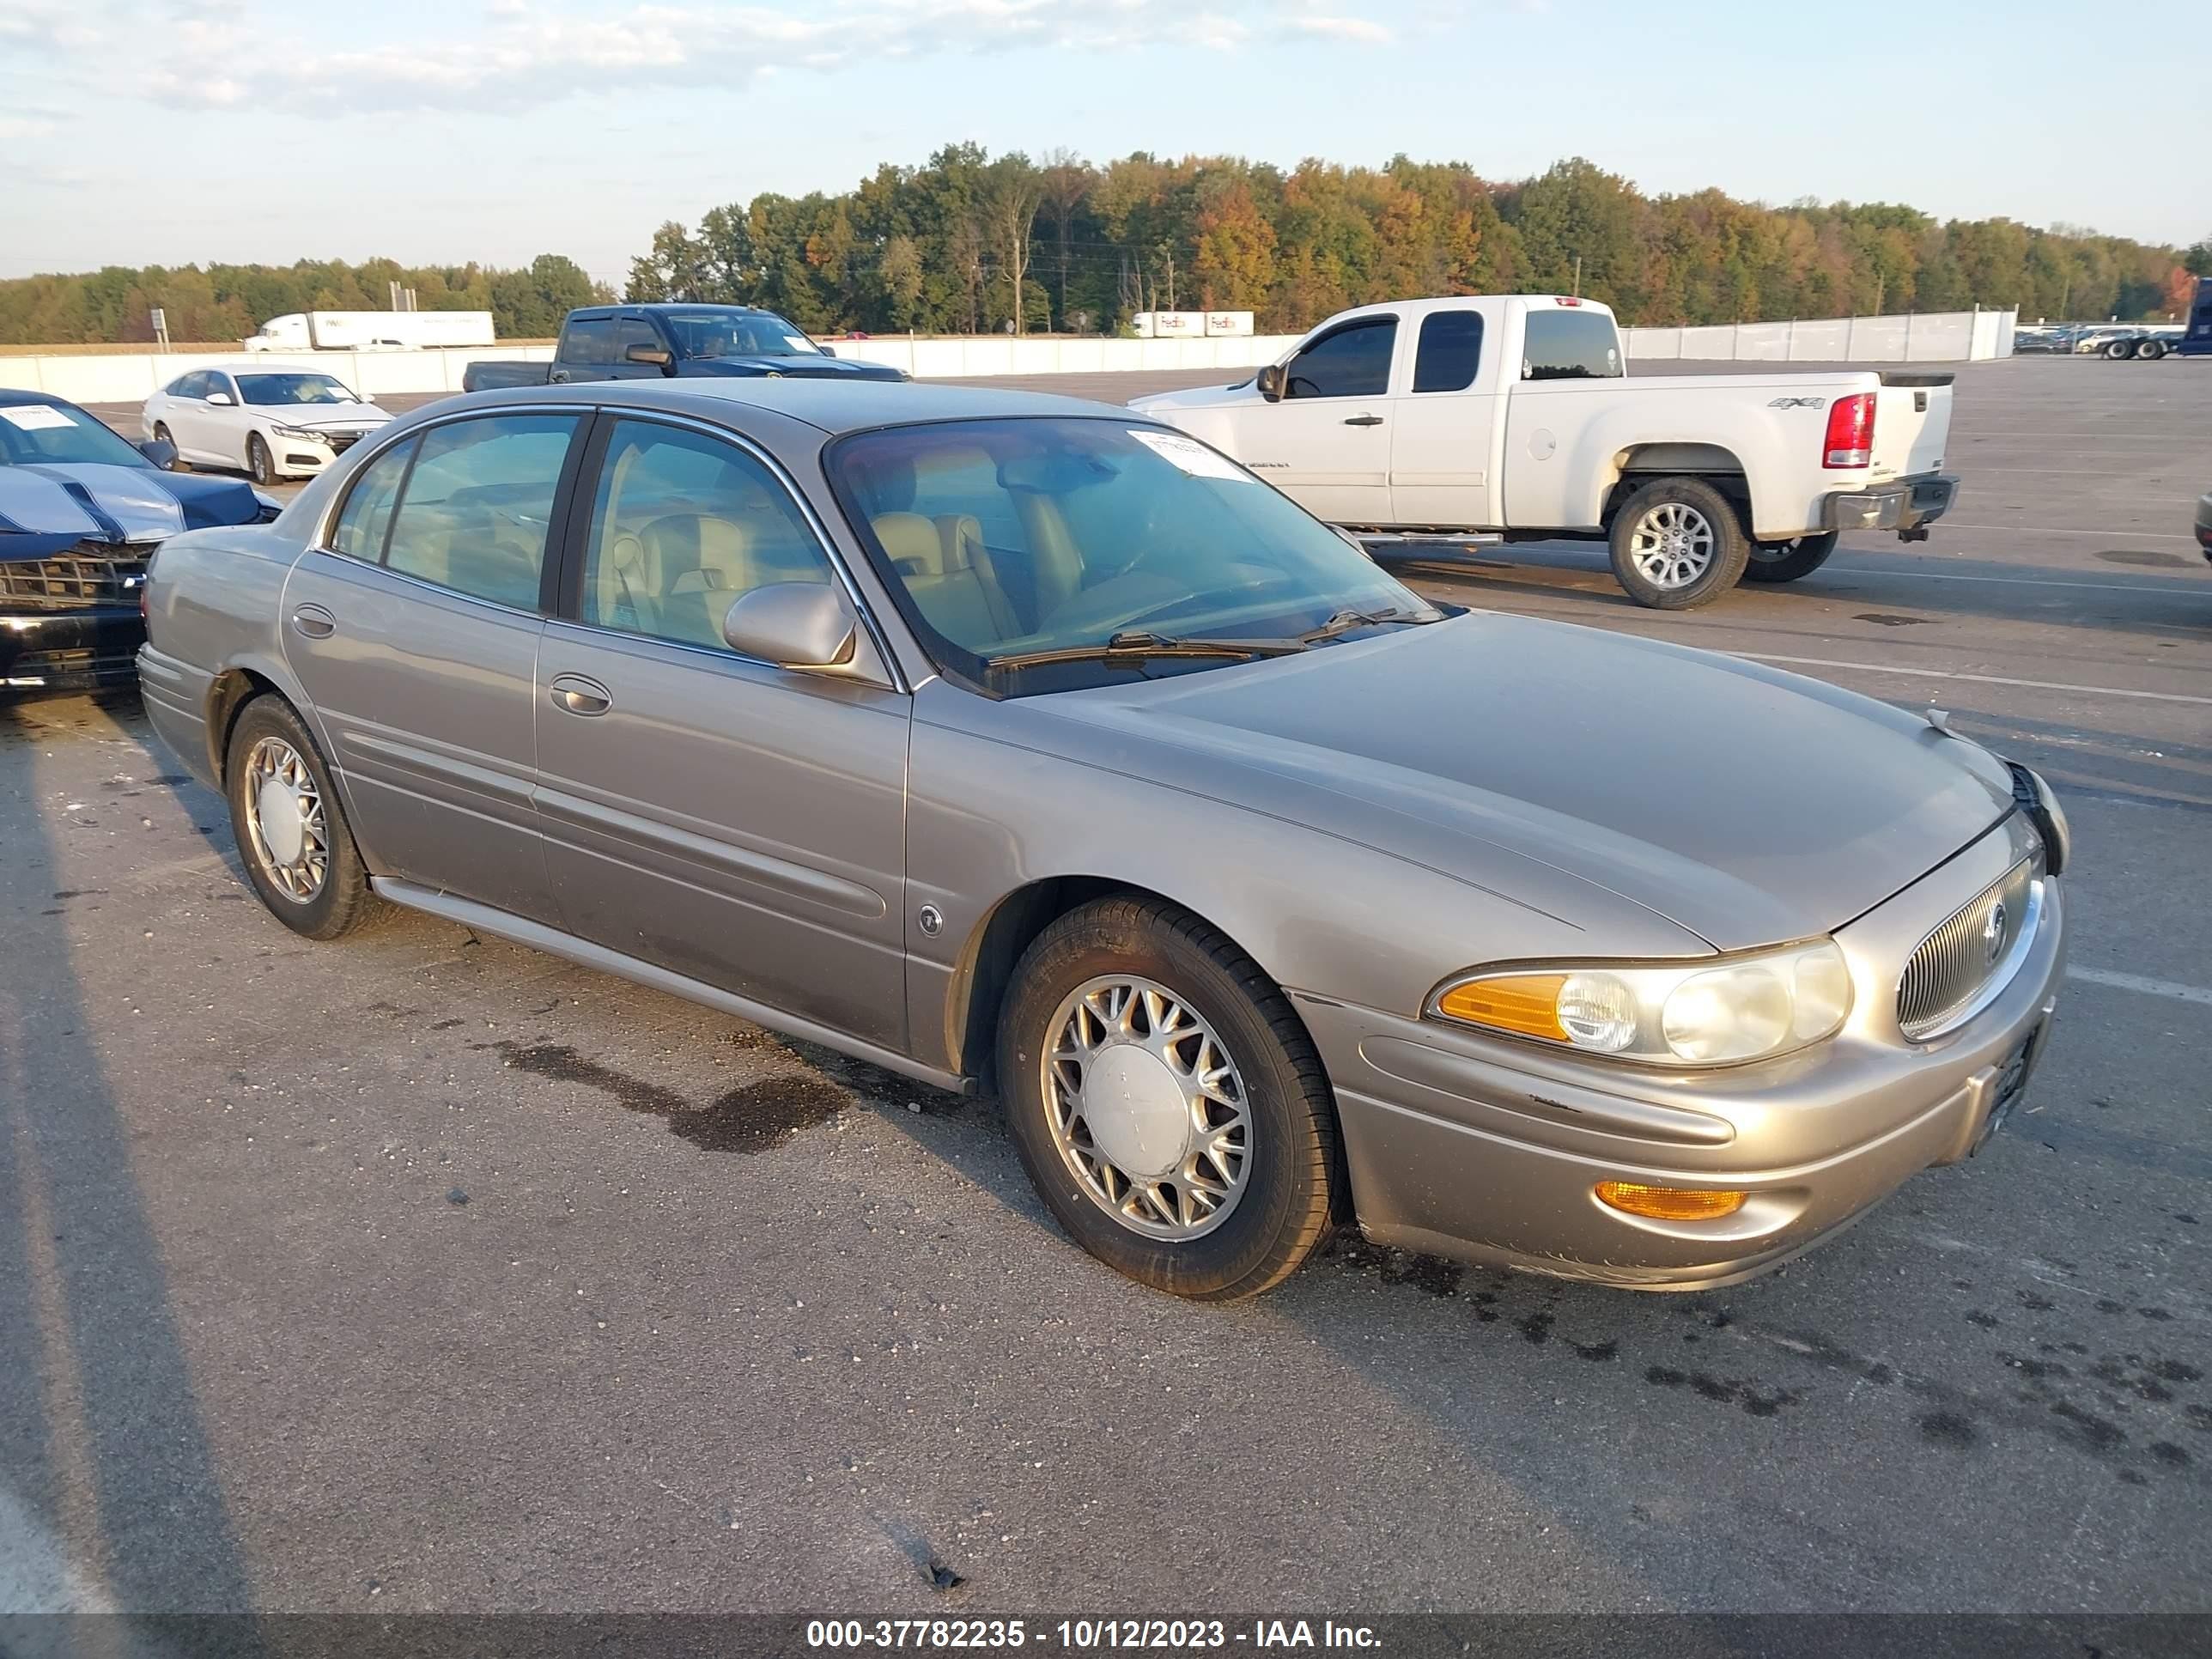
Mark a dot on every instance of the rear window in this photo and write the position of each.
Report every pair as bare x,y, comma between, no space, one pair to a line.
588,340
1569,343
1450,352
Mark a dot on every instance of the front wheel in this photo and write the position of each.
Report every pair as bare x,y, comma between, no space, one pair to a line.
1166,1101
1785,562
257,460
1678,543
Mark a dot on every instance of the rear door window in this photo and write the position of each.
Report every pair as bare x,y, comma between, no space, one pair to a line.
1354,361
475,510
1569,343
1450,352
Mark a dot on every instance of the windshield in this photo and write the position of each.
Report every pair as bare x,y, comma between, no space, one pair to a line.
52,434
293,389
719,331
1004,538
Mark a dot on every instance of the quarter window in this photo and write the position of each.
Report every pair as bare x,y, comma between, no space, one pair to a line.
1450,352
1569,345
367,511
1352,362
476,507
682,525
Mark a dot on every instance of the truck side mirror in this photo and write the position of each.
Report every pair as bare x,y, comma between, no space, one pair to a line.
655,357
1270,381
160,451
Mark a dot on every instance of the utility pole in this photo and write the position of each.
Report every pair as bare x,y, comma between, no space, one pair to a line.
1880,283
1578,277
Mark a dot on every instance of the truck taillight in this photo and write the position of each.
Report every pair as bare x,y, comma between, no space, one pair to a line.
1850,441
1558,301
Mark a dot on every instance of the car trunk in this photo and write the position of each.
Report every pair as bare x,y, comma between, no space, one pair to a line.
1912,423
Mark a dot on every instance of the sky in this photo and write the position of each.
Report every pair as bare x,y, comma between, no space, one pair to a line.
438,131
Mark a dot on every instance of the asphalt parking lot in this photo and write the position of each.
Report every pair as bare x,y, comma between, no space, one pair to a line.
422,1272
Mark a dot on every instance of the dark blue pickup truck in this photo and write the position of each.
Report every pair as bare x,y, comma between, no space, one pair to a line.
645,342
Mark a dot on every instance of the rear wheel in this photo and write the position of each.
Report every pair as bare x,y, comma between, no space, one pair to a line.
290,828
1166,1101
1785,562
257,460
1678,543
2149,351
2118,351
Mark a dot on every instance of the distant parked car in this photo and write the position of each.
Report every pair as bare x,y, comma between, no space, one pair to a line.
81,512
658,342
1011,741
274,424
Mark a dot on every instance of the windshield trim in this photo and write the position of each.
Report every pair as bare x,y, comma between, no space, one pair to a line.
928,640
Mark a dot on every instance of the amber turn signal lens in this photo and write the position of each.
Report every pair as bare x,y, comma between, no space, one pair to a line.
1669,1203
1527,1003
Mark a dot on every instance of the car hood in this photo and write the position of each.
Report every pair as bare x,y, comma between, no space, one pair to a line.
794,369
1747,805
324,417
1160,404
44,507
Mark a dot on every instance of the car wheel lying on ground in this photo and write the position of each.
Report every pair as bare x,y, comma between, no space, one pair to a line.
1017,743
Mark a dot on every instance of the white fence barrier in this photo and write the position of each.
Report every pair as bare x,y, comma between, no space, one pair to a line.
1935,337
131,377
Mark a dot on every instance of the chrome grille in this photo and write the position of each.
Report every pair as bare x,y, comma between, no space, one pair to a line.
1952,965
87,574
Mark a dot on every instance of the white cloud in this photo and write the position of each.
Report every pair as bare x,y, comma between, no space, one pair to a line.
518,53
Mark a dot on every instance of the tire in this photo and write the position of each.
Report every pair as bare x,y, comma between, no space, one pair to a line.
269,742
1670,523
1785,562
2120,350
259,461
177,463
2149,351
1275,1190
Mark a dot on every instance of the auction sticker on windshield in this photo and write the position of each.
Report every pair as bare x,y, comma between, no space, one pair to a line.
33,417
1192,457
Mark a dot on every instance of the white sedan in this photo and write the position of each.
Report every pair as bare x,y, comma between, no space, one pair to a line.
275,424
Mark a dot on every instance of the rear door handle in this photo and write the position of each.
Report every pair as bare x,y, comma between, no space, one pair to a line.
1364,420
579,693
314,622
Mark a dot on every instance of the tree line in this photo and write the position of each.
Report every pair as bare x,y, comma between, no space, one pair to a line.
970,243
228,302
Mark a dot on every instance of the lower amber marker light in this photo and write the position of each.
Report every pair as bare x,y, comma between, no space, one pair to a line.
1669,1203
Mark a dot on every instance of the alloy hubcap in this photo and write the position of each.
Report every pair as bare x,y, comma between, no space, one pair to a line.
1146,1108
284,819
1672,544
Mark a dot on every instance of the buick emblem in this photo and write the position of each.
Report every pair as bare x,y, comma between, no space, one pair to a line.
1993,934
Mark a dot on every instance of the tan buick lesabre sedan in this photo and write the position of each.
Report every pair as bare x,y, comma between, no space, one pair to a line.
1022,744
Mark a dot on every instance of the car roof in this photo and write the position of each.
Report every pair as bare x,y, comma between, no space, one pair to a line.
833,406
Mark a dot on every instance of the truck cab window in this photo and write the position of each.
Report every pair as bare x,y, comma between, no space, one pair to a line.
1450,352
1570,346
1352,362
633,331
589,340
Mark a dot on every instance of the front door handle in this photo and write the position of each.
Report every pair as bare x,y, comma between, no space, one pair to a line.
1364,420
579,693
314,622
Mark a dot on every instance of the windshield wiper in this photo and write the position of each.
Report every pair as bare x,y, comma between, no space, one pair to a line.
1345,620
1138,645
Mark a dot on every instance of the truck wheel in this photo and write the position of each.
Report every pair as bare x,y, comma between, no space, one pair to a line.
1678,543
2120,350
1785,562
2149,351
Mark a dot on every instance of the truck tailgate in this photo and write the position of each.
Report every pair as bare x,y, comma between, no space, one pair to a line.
1912,423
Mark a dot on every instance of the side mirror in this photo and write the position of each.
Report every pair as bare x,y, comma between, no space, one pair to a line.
160,451
1270,380
654,357
220,399
799,625
825,351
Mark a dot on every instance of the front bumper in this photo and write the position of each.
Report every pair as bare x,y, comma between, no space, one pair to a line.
1905,505
68,650
1489,1150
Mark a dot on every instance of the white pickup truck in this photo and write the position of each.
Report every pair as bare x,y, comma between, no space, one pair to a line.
1513,413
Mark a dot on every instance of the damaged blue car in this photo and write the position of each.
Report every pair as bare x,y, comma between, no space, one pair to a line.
80,513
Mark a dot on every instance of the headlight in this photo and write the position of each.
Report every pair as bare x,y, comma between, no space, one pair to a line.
1709,1012
301,433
